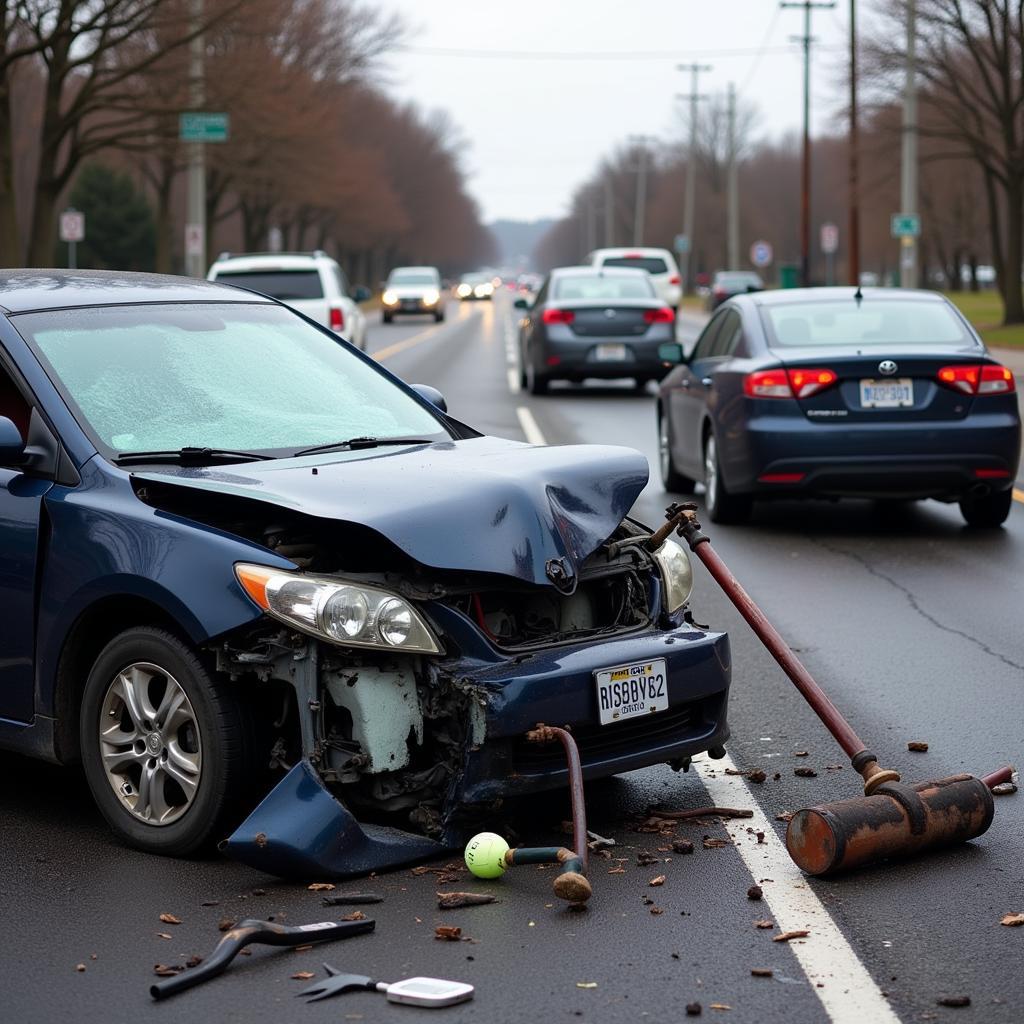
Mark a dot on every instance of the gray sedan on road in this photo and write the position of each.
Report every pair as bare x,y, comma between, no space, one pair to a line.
593,322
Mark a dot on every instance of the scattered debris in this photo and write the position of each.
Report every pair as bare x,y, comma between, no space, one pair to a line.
765,922
448,933
757,776
596,842
682,846
452,900
761,972
714,844
800,933
784,816
259,892
1012,920
805,773
659,880
720,1006
918,746
303,975
777,776
799,753
645,859
210,903
225,924
303,949
348,898
320,887
163,935
169,919
79,968
1004,789
195,961
586,984
954,1000
616,871
735,771
356,915
760,836
755,892
693,1009
707,812
656,911
834,767
260,839
167,970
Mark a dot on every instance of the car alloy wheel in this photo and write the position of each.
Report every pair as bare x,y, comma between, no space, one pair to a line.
722,506
535,384
671,478
150,743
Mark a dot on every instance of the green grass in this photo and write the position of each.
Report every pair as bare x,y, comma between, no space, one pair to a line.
985,311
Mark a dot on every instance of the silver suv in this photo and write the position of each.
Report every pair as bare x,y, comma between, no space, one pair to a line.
310,282
413,290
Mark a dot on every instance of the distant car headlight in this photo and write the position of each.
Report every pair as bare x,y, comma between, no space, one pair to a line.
349,614
676,574
431,296
464,290
389,298
483,290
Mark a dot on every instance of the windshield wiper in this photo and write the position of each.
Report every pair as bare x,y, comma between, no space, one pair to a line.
361,442
189,456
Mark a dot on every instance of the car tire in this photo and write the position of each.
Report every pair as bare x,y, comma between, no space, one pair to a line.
536,383
722,506
438,318
987,510
387,317
206,737
672,479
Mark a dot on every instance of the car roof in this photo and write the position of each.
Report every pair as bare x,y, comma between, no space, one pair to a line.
632,250
395,270
785,296
22,291
270,261
588,271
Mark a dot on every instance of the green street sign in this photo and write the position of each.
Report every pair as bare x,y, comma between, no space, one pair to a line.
905,225
200,126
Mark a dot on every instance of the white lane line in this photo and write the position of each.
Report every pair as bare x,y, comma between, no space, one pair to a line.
511,354
529,426
513,379
849,995
400,346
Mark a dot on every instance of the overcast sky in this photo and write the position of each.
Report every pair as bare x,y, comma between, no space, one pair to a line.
536,127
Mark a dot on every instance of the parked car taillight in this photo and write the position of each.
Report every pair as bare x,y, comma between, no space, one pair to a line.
337,319
663,315
675,279
978,380
558,316
795,383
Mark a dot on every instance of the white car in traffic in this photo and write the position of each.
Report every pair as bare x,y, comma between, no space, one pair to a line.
311,283
659,263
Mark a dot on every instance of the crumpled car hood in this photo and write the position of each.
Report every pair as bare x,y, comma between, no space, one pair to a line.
479,505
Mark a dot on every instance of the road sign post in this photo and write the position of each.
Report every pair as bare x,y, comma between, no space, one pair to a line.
72,231
681,244
905,225
203,126
761,254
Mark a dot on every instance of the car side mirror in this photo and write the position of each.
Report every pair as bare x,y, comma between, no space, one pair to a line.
432,395
671,352
12,444
521,303
361,293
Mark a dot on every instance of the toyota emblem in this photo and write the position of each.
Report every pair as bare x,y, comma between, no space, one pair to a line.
887,367
610,313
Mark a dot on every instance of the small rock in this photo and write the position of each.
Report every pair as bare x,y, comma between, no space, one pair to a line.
954,1000
761,972
225,924
645,859
693,1009
1004,789
918,746
448,933
303,975
79,968
777,776
760,837
169,919
799,753
755,892
784,816
659,880
757,776
764,923
1013,920
656,911
805,773
320,887
682,846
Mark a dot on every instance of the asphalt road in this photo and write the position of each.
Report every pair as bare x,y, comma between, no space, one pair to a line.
910,620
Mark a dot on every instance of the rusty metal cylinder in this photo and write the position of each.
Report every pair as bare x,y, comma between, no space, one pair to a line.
895,821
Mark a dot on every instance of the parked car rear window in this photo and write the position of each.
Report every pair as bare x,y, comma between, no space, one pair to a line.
233,375
413,277
281,284
593,286
738,282
878,322
652,264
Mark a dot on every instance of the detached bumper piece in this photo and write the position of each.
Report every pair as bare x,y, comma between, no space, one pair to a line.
300,830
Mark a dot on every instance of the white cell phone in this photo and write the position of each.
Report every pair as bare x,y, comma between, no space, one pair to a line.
427,992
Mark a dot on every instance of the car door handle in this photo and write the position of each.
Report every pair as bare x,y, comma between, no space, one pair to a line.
685,382
706,381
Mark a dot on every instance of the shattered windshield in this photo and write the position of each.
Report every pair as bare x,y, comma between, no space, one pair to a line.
238,376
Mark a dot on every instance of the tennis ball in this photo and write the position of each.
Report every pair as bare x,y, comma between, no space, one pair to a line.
485,855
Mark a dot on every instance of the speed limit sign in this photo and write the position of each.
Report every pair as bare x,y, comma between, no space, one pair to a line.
72,226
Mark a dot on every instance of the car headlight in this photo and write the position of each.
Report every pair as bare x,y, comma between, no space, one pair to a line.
676,574
431,296
464,290
349,614
389,298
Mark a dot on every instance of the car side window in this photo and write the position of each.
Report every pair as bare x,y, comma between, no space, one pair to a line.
706,341
728,335
13,403
542,293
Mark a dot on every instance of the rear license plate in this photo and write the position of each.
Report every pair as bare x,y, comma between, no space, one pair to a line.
631,691
610,353
886,394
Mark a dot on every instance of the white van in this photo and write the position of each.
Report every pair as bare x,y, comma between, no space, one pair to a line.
659,263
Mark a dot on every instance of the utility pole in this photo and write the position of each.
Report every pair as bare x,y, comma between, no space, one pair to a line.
690,207
805,172
591,221
609,210
908,184
853,213
732,189
639,209
195,229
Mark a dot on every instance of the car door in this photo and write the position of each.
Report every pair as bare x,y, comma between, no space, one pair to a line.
686,401
530,325
21,501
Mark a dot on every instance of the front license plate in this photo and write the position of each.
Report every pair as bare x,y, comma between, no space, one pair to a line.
630,691
610,353
886,394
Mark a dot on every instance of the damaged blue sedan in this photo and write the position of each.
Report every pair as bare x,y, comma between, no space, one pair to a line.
268,594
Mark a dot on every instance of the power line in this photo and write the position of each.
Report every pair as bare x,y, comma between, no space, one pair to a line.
762,50
759,52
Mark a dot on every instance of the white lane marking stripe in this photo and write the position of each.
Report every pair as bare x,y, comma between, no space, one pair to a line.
529,425
850,995
513,379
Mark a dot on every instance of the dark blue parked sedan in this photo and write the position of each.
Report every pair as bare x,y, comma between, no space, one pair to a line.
832,392
240,554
